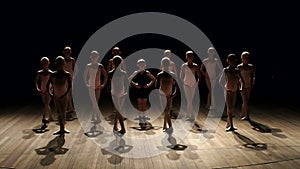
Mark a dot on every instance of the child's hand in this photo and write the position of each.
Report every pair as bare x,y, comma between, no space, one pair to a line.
102,86
147,86
136,85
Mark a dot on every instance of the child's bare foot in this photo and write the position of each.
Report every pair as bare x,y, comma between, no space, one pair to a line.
122,131
67,131
230,128
61,132
45,121
245,118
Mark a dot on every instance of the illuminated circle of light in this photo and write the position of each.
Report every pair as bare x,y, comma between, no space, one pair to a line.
138,144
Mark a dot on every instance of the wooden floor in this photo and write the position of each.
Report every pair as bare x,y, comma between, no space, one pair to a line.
271,140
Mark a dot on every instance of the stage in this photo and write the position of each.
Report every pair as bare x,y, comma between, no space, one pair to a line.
269,140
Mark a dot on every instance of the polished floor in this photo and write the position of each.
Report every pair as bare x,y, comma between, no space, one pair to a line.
271,139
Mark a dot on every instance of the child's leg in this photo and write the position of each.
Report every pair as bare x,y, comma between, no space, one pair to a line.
163,102
92,97
212,97
245,99
60,105
119,101
168,110
64,102
59,114
167,118
97,94
69,102
209,96
114,98
230,102
121,120
116,121
189,94
46,100
144,104
140,104
229,108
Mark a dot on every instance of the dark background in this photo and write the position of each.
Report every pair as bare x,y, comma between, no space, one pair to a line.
269,31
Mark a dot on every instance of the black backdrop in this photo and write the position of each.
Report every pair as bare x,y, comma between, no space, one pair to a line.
269,31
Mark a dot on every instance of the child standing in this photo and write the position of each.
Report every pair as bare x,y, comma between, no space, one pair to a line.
61,83
70,66
41,79
119,84
211,68
166,82
92,78
115,51
190,76
232,85
248,74
142,80
172,67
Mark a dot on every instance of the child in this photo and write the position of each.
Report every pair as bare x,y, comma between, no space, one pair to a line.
119,85
41,79
115,51
70,66
232,86
210,68
92,78
172,67
142,80
248,74
61,83
166,82
190,76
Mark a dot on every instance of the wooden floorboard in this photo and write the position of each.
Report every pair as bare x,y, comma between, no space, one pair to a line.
271,140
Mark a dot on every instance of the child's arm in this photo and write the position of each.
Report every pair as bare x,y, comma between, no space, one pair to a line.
123,65
157,82
242,81
36,80
202,69
174,70
109,65
105,76
220,67
130,79
152,80
175,89
48,85
253,76
69,80
75,70
198,73
85,76
126,82
181,75
109,78
222,79
132,76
